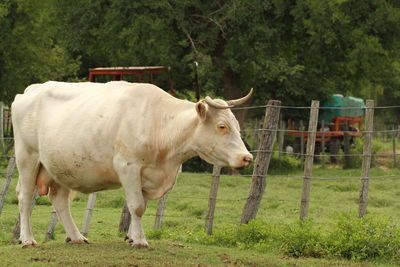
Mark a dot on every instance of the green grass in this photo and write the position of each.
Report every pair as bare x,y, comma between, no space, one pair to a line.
184,220
114,252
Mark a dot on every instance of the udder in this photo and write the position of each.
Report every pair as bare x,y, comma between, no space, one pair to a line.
44,182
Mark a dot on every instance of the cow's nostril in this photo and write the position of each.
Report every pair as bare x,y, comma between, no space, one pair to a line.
247,160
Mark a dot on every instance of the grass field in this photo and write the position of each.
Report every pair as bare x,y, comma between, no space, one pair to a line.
187,204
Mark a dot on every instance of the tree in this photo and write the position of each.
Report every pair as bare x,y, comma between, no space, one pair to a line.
28,52
294,51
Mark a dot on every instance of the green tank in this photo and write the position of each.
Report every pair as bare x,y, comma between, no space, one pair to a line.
340,101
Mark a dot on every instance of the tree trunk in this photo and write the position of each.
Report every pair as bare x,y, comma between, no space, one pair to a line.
230,83
230,80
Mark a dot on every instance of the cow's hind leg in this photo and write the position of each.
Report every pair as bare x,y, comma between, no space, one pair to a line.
59,196
27,163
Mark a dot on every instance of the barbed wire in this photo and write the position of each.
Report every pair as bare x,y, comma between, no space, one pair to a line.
279,176
99,209
309,107
327,133
325,155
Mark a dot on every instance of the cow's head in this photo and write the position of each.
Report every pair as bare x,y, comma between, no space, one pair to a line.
218,134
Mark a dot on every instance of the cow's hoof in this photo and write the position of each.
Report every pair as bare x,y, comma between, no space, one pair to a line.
81,240
139,245
127,238
29,244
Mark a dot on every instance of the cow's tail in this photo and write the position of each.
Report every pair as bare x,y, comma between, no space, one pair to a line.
72,195
17,189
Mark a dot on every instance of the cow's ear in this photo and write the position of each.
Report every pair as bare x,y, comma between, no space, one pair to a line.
201,109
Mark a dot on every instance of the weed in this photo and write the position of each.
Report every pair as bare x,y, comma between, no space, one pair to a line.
43,200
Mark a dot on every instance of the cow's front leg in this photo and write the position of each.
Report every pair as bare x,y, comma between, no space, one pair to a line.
136,235
129,175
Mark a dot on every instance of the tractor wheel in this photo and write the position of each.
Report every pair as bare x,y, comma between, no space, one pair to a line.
334,147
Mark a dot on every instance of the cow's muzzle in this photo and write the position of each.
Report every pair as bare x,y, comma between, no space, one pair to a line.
247,159
244,161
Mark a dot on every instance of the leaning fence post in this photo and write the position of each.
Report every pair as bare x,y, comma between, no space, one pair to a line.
312,130
346,147
2,127
394,145
281,138
213,198
323,143
6,184
52,225
301,144
125,220
88,213
367,155
160,211
264,154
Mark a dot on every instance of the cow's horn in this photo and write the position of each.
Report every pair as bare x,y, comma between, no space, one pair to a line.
238,102
214,104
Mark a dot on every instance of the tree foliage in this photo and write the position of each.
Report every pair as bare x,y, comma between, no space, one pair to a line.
290,50
28,51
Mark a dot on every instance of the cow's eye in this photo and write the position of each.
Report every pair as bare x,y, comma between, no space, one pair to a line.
221,126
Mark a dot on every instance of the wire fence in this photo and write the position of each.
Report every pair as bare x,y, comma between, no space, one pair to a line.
255,130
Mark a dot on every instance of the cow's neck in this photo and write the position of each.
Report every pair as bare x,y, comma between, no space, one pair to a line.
178,132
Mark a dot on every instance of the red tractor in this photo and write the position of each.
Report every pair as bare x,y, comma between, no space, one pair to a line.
132,74
340,116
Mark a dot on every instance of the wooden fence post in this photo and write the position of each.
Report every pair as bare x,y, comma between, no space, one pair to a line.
394,134
52,225
301,144
125,220
263,158
88,213
6,184
366,163
281,138
312,130
213,198
323,144
346,147
160,211
2,127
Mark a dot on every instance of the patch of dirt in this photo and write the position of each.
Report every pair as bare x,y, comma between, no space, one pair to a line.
41,259
179,246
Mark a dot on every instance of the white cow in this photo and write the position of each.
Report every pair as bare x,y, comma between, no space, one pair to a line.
90,137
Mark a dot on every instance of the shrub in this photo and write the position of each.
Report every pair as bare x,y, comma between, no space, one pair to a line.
377,147
368,238
196,164
285,165
43,200
156,233
302,240
365,238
